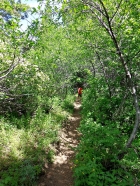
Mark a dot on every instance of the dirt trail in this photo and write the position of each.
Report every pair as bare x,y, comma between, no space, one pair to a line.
60,172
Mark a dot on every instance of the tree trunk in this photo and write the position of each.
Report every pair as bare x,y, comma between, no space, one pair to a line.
100,12
129,77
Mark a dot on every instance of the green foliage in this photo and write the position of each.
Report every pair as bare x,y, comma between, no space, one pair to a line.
27,144
102,158
40,65
97,162
27,91
9,9
67,104
79,78
21,173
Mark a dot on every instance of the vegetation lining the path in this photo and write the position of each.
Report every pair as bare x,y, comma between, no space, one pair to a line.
102,157
94,44
26,143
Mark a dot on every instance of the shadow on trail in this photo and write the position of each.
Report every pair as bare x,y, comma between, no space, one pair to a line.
60,172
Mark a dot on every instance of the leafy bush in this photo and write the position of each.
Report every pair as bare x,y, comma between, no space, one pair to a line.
102,158
67,104
97,160
26,144
23,91
21,173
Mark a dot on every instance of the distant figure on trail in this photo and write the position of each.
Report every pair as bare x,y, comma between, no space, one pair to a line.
80,92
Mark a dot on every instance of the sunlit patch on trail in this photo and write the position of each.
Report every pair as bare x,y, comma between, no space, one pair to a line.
60,172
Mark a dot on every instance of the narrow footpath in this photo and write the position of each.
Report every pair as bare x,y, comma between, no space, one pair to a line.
60,172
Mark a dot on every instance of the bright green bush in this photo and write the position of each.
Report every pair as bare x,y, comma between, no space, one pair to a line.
26,144
102,158
97,162
67,104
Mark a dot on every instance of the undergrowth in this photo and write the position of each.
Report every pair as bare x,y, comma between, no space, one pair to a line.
102,158
26,144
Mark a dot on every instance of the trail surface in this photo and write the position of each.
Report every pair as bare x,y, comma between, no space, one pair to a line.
60,172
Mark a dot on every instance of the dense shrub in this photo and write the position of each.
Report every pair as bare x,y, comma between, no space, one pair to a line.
102,158
23,91
26,144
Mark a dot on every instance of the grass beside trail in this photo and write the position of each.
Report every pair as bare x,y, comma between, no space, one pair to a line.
26,143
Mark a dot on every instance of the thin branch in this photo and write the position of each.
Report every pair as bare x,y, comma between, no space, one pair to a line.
10,68
116,11
104,72
94,6
20,95
131,85
105,10
136,54
8,71
94,70
117,113
5,71
103,48
101,21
